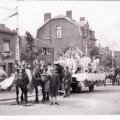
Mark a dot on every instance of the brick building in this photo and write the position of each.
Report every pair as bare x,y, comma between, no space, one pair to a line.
7,49
62,32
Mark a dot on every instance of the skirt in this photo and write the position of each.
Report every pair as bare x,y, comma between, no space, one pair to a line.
53,92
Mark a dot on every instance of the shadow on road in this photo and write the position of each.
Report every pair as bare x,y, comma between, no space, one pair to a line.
104,90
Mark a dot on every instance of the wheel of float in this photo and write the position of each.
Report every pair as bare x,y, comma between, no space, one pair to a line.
73,88
79,89
91,88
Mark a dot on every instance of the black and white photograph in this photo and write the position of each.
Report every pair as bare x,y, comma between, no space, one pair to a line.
59,58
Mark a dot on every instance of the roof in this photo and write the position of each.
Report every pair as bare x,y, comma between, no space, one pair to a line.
38,42
41,43
79,24
103,49
63,17
5,29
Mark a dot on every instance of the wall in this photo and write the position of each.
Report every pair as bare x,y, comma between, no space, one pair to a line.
70,35
11,59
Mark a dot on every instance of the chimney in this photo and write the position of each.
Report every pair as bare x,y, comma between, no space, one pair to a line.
47,16
82,18
69,14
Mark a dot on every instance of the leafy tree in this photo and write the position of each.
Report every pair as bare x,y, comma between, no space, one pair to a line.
107,61
28,52
94,52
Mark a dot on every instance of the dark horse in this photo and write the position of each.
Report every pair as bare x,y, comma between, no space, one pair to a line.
109,76
38,81
21,82
116,72
113,76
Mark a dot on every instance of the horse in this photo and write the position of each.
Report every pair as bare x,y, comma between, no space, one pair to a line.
21,82
109,76
113,76
116,76
38,80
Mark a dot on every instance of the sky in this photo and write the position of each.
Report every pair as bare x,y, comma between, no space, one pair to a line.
103,17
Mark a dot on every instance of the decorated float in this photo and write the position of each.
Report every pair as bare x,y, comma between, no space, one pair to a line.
85,71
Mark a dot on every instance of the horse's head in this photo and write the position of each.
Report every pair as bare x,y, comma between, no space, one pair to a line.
20,73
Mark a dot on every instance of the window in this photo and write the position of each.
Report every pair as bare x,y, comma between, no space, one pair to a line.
59,32
90,34
45,51
87,49
83,31
10,68
93,35
6,46
86,32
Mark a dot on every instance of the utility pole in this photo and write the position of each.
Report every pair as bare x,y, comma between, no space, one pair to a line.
17,50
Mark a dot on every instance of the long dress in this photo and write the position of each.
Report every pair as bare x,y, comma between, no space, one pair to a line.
47,82
54,85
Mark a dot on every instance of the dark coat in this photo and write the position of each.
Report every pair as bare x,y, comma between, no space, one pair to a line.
47,82
54,85
67,80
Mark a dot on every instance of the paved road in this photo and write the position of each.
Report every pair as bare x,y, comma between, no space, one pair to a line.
103,101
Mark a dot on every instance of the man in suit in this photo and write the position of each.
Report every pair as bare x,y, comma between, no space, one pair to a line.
54,86
67,82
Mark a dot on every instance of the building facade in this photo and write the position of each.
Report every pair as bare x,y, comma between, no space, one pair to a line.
62,32
7,49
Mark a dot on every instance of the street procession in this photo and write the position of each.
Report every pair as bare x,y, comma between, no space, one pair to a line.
63,69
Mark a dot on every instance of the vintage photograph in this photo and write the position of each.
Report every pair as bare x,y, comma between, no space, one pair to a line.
59,57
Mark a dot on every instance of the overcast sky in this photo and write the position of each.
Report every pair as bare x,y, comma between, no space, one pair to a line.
103,17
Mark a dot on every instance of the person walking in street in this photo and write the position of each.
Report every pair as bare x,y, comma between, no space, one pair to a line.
67,82
46,79
54,86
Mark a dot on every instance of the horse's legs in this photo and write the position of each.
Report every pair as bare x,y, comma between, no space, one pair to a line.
113,80
47,96
22,96
43,92
25,94
104,82
17,93
118,82
36,91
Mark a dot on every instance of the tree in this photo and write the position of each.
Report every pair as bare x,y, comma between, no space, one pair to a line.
94,52
108,61
28,52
